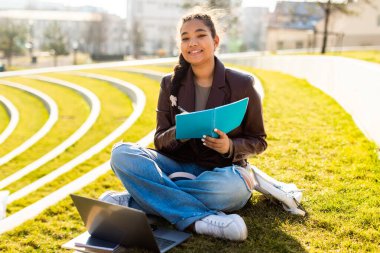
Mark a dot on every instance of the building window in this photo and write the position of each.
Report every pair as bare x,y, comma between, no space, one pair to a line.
299,44
280,45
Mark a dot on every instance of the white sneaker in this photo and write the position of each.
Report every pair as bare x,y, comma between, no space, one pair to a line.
231,227
288,195
117,198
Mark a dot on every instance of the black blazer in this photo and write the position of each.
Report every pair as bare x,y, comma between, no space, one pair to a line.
228,86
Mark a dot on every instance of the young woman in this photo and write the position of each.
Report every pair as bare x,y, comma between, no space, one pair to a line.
191,183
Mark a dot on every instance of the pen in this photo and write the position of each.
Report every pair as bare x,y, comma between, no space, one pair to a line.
182,110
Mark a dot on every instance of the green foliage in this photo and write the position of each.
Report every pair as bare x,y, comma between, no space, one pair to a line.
12,38
4,118
55,39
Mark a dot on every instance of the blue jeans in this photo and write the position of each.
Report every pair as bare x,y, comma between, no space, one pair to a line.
144,173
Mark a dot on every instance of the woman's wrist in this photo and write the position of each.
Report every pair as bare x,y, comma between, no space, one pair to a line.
229,153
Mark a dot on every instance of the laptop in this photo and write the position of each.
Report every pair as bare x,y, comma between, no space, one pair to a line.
123,226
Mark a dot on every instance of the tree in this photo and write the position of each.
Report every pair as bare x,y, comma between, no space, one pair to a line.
96,36
12,38
330,7
55,41
137,39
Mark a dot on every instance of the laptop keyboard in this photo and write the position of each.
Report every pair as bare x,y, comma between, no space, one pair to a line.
163,243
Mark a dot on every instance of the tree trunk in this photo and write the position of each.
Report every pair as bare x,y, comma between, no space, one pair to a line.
9,60
327,10
10,52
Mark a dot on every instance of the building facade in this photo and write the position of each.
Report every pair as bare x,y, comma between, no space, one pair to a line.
292,26
85,30
152,26
360,29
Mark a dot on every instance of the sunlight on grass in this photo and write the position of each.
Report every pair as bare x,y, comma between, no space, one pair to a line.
4,118
33,116
312,141
63,219
371,56
115,108
72,110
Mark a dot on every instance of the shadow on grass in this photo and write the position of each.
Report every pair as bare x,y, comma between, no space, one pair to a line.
265,233
264,220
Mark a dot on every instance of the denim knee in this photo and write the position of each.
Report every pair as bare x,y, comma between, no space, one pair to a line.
237,198
236,194
120,154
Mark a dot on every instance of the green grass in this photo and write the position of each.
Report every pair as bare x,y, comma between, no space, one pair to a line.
61,222
312,141
72,110
371,56
115,108
33,116
4,118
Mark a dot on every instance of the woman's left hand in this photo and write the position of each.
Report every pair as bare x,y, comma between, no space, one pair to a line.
221,144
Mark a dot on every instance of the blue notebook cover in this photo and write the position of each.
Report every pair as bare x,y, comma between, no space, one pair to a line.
225,118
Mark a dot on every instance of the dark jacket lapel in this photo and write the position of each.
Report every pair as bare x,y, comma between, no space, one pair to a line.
186,95
217,93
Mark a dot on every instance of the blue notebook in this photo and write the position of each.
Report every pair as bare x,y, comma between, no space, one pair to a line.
225,118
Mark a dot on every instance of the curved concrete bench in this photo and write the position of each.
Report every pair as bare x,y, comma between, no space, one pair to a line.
138,101
89,66
52,108
36,208
14,118
152,74
94,104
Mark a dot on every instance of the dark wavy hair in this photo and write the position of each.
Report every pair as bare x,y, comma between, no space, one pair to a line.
182,67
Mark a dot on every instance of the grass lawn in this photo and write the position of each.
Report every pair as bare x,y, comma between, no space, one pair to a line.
115,108
72,110
61,222
312,141
369,55
372,56
4,118
33,115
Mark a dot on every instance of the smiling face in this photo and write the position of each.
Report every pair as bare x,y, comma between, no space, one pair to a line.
197,42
